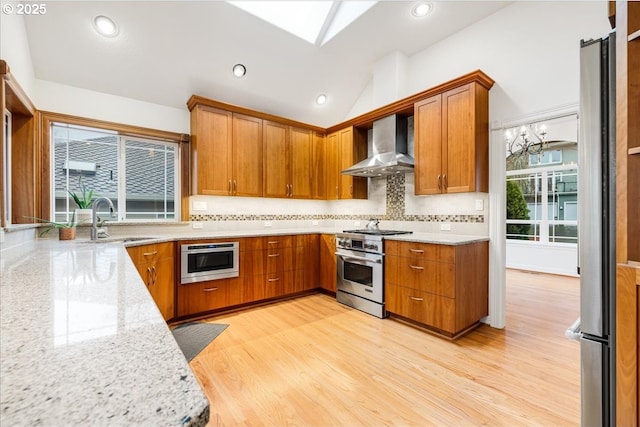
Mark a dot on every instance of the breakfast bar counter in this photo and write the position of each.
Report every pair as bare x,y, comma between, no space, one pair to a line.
83,343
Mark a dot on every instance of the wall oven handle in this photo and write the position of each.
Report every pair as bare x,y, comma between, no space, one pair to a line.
209,289
415,267
357,258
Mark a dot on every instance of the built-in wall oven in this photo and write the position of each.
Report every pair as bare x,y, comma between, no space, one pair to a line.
200,262
360,281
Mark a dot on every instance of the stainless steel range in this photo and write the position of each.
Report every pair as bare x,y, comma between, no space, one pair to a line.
360,256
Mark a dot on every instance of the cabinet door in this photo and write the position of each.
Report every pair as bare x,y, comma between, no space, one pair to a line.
347,159
163,288
275,138
211,152
332,165
247,156
428,145
328,266
300,162
318,168
458,152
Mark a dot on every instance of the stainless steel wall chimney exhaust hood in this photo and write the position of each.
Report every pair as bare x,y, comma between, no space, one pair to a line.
389,150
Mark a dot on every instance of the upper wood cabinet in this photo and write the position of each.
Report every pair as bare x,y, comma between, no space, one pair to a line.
344,148
288,155
226,153
318,166
452,141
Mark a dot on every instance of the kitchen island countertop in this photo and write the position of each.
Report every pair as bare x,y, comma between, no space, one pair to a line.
83,343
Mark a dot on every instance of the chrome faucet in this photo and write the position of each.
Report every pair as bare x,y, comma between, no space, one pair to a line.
94,214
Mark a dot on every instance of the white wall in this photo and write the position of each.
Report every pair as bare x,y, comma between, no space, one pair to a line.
527,256
14,49
50,96
529,48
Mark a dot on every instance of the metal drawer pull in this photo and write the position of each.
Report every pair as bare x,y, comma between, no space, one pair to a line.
416,298
439,182
229,187
273,242
150,253
273,280
415,267
210,289
417,251
272,255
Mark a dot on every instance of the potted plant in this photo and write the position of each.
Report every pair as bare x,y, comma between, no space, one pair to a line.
83,201
66,230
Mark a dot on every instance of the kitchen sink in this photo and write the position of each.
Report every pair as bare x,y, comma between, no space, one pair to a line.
118,239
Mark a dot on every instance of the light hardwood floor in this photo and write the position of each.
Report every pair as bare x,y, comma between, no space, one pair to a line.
313,362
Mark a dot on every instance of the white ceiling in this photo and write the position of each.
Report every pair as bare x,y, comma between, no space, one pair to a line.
166,51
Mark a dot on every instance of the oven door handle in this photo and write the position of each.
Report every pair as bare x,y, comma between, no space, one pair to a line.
357,258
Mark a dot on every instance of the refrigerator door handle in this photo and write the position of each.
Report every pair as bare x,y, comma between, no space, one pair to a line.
573,332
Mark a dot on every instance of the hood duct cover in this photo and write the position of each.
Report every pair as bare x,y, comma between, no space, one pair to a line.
389,150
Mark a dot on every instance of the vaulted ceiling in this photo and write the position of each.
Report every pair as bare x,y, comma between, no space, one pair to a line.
165,51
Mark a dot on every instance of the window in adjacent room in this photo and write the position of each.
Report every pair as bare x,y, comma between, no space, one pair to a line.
139,175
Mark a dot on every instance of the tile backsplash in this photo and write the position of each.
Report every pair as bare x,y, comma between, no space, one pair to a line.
391,199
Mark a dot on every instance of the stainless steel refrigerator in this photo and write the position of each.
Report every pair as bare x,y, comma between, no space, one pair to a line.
595,329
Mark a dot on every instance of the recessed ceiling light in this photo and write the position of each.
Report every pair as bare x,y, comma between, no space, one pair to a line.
239,70
421,9
321,99
105,26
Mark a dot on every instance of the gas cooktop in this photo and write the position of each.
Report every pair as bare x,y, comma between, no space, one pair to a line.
378,232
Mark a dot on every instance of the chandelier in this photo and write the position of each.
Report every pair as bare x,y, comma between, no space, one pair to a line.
530,139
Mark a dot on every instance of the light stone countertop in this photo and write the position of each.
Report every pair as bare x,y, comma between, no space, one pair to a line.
438,238
83,343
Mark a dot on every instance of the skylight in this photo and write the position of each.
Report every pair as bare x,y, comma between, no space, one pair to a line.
313,21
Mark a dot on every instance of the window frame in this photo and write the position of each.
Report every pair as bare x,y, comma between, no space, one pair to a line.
543,174
182,191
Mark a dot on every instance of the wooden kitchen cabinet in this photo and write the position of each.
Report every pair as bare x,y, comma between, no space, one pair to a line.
287,161
201,297
318,167
226,153
345,148
328,262
443,287
452,141
155,264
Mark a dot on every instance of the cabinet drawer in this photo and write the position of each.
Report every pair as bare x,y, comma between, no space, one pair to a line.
279,259
276,242
420,274
430,251
150,253
423,307
210,295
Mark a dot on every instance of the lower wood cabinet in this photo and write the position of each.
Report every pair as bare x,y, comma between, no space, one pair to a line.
270,267
328,265
443,287
155,264
209,295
